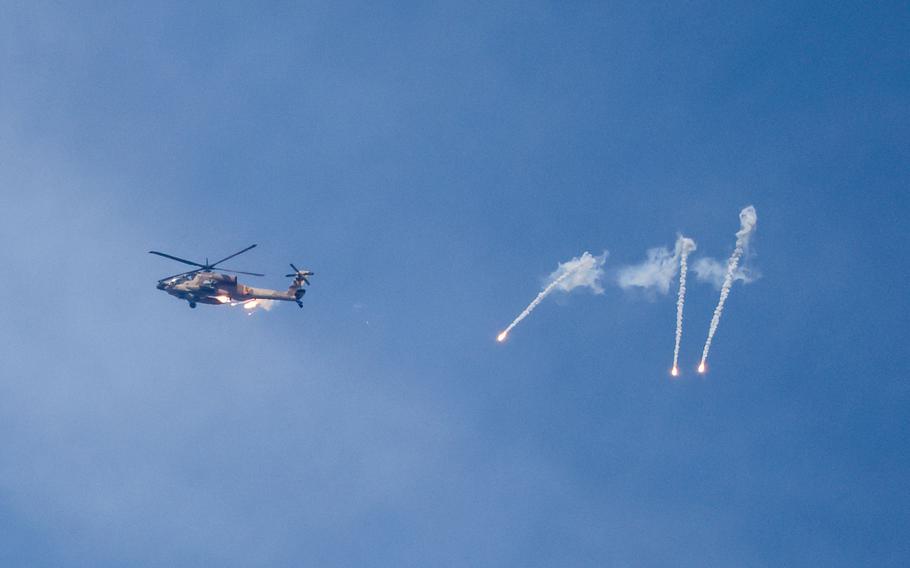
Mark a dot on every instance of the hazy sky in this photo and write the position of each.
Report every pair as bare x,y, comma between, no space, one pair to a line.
433,163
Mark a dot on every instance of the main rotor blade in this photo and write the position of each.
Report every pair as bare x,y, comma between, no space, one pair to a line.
232,256
240,272
181,274
178,259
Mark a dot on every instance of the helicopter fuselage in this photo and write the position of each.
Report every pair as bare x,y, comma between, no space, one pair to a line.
216,288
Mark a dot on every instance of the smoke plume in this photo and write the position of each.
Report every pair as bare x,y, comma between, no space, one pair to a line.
747,221
658,269
257,304
583,271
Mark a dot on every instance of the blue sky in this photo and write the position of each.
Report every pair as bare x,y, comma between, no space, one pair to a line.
432,164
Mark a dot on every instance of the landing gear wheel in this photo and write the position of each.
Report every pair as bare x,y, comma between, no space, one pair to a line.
193,305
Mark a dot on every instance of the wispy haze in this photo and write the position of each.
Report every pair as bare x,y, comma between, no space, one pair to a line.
659,268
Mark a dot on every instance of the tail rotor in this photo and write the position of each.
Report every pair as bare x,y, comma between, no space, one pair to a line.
300,278
300,274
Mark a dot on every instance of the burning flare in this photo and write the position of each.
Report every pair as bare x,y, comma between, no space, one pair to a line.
583,271
674,371
747,220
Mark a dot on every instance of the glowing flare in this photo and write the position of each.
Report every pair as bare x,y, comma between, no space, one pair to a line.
701,367
674,371
501,337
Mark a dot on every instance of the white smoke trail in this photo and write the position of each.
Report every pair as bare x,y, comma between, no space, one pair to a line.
527,311
583,271
684,246
747,220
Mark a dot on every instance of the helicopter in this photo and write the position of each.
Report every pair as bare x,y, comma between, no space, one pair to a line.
203,285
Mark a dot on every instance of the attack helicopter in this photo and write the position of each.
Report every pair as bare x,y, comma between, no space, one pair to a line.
203,285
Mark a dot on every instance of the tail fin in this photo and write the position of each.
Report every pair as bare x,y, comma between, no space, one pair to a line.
297,286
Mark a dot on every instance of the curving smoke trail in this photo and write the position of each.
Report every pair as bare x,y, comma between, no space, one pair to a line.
684,246
583,271
747,220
